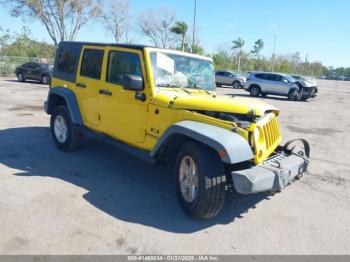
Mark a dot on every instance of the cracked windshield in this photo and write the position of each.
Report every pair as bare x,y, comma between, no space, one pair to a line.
173,70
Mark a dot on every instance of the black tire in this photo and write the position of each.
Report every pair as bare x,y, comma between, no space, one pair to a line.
20,77
73,138
293,95
45,80
219,85
254,91
236,84
210,196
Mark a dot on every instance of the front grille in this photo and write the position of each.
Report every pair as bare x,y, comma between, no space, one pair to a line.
271,133
269,137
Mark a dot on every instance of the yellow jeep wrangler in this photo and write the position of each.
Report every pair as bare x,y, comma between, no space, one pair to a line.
161,105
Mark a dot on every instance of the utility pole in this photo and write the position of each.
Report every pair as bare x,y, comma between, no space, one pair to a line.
273,53
305,63
194,24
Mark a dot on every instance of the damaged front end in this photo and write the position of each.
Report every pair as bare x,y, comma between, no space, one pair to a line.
285,165
273,166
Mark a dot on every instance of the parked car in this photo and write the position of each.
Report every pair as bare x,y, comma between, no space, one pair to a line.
161,105
307,86
34,71
265,83
229,78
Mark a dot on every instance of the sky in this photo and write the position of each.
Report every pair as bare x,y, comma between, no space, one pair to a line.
319,29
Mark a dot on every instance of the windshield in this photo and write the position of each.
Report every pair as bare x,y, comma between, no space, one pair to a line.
299,78
236,74
46,66
290,79
182,71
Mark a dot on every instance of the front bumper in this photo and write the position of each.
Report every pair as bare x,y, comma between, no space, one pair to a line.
309,92
274,173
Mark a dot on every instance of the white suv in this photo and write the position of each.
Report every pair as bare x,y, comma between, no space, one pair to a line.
229,78
263,83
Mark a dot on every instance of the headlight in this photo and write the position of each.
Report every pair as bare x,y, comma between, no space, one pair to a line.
258,135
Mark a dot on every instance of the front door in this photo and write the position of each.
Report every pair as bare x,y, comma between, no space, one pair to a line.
36,72
88,84
123,116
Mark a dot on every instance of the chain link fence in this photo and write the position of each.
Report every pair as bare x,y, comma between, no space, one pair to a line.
8,64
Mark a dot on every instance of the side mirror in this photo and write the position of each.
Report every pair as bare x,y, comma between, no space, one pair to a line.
133,82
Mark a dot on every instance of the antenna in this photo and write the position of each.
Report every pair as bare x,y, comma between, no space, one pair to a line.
273,53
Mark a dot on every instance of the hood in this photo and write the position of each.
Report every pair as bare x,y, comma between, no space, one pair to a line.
228,104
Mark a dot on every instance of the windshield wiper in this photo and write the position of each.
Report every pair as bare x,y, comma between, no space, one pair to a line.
175,86
201,88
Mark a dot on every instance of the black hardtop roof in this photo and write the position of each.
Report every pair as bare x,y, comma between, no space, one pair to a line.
75,43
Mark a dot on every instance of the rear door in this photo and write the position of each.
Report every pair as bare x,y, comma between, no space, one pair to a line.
264,82
88,84
27,70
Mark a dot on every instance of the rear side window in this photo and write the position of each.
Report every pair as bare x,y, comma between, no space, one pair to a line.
262,76
91,64
67,59
120,64
276,78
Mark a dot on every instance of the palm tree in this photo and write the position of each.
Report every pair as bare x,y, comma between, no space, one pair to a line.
237,47
180,28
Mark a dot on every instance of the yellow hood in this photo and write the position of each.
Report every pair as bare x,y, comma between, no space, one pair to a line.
229,104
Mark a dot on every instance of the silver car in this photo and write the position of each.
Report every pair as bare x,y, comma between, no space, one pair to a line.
264,83
229,78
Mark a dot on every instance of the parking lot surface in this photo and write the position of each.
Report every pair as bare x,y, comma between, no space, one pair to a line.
99,200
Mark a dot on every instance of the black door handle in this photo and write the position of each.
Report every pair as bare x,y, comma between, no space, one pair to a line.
81,85
105,92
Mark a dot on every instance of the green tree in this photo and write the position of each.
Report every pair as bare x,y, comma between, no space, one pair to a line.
237,48
258,46
23,45
62,19
180,28
222,60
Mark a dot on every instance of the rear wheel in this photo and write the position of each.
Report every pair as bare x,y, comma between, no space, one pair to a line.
255,91
219,85
200,180
20,77
64,133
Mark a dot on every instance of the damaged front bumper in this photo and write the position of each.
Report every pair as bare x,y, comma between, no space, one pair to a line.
274,173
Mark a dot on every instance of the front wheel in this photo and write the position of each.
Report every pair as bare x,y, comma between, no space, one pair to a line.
200,180
294,96
236,84
45,80
64,133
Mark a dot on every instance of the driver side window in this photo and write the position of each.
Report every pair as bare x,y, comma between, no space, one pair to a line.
120,64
